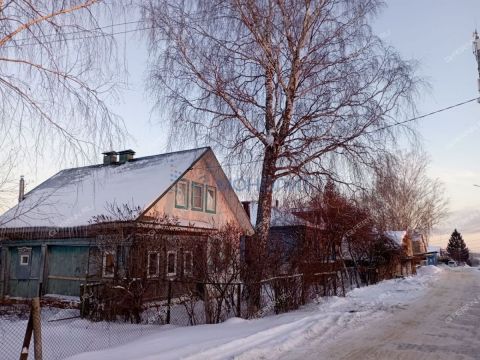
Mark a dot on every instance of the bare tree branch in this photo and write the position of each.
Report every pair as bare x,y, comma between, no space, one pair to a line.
303,86
55,76
404,197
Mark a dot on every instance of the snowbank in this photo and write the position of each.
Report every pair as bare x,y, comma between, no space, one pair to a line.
428,270
270,336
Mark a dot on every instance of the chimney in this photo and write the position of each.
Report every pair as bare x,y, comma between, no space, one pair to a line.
21,190
246,207
125,155
109,157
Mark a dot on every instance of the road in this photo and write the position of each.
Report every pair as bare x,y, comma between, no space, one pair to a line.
443,324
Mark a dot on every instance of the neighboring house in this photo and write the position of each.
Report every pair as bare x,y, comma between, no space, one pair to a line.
403,240
432,254
423,253
50,235
419,243
288,233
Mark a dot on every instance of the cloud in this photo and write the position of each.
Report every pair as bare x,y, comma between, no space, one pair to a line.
466,221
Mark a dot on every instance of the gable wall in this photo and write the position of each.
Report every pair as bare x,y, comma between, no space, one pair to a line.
207,173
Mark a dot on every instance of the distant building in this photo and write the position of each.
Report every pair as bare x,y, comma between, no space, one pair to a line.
404,241
432,254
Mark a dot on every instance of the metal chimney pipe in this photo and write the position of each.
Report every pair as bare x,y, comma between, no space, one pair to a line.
21,190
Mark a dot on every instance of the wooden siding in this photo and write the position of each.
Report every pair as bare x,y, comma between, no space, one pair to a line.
23,279
61,269
66,266
207,173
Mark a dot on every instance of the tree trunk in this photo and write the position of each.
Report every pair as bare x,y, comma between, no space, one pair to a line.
258,245
265,199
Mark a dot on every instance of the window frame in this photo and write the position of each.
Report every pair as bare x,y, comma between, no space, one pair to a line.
185,272
23,256
157,273
214,211
201,187
174,273
104,263
24,252
187,192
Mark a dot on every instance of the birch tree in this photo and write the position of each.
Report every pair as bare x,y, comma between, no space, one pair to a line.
57,68
299,87
404,197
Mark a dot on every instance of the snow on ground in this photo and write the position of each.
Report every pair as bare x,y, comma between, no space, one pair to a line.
64,334
440,325
273,335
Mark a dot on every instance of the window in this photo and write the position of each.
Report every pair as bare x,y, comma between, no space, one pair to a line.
187,263
153,264
171,263
24,254
24,260
181,195
197,196
108,263
211,200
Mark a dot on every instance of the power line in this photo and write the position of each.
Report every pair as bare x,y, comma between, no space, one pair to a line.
426,115
91,36
383,128
83,30
154,27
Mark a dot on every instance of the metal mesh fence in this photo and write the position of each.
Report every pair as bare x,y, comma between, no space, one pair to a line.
65,332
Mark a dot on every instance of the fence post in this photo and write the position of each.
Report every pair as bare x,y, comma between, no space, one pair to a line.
169,300
239,299
27,338
343,282
302,290
335,284
37,328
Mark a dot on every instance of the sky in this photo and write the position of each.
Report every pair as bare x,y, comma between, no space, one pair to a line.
436,33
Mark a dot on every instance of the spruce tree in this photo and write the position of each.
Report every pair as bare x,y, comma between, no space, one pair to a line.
457,249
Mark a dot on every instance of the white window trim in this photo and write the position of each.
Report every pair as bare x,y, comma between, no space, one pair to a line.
174,264
202,195
22,256
186,194
214,189
185,262
157,274
104,263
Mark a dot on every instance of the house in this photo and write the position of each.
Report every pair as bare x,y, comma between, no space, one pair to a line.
289,234
404,241
419,242
432,254
66,231
423,253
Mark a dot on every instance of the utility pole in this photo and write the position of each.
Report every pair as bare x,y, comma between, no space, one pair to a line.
476,52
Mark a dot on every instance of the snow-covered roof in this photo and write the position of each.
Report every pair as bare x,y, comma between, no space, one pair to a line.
432,248
74,196
396,236
279,216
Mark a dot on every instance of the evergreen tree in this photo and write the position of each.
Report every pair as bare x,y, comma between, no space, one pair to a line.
457,249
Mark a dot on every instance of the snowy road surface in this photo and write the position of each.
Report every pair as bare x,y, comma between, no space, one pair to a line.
431,316
442,324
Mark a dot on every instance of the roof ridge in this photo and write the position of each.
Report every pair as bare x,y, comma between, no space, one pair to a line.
76,184
134,159
93,166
